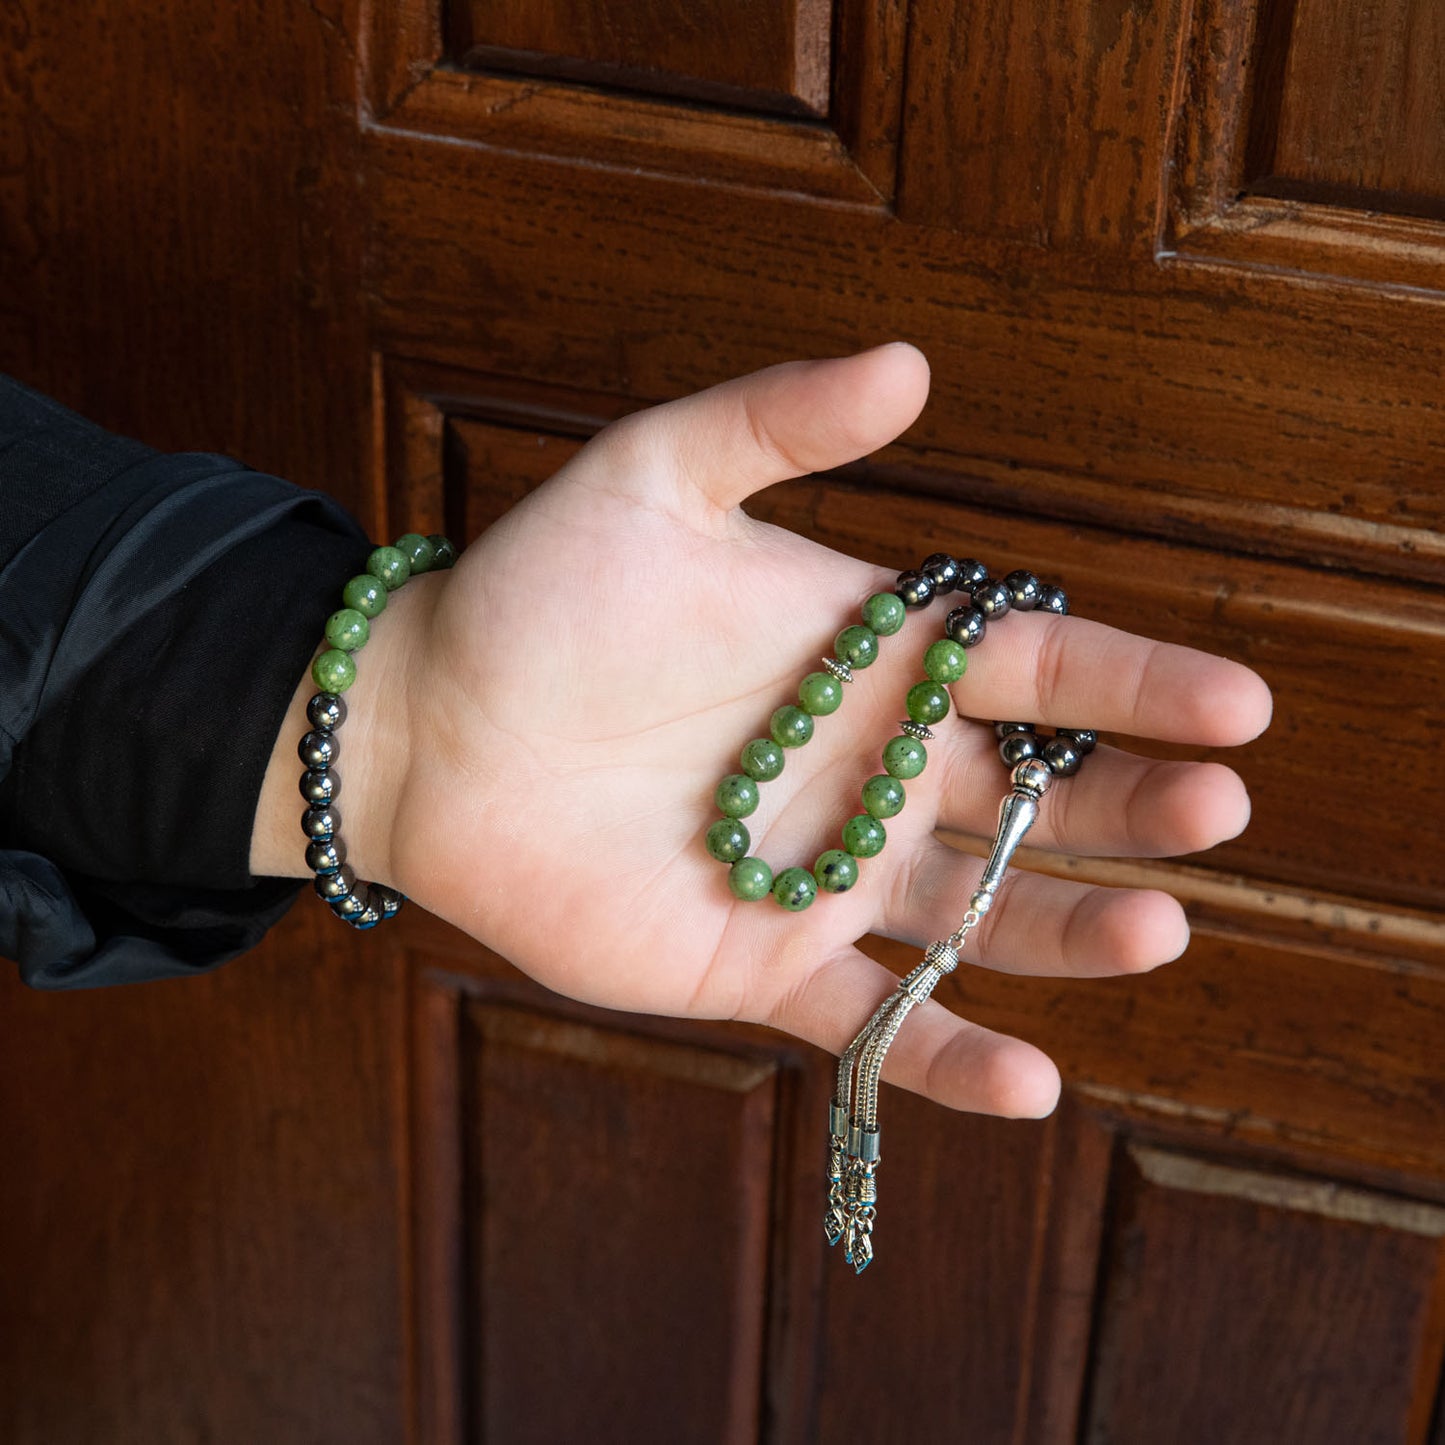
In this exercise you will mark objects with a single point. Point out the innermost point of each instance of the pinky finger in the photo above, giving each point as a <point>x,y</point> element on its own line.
<point>937,1054</point>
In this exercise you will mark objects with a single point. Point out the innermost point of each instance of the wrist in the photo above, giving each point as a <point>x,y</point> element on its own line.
<point>375,749</point>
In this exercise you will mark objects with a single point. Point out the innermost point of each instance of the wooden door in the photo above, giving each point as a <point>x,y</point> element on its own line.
<point>1179,266</point>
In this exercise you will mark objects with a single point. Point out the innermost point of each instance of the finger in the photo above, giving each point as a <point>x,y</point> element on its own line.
<point>723,444</point>
<point>1054,927</point>
<point>1071,672</point>
<point>936,1054</point>
<point>1117,804</point>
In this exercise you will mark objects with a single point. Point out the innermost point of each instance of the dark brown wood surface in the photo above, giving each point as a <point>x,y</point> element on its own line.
<point>1179,267</point>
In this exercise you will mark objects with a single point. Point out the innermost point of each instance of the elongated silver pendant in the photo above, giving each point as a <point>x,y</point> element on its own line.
<point>855,1142</point>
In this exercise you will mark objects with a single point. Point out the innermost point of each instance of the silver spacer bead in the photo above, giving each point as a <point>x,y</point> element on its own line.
<point>839,669</point>
<point>1033,776</point>
<point>919,732</point>
<point>943,954</point>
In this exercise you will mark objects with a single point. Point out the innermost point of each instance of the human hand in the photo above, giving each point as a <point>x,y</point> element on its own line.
<point>548,722</point>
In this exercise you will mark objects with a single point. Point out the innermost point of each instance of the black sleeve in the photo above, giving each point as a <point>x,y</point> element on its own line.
<point>155,614</point>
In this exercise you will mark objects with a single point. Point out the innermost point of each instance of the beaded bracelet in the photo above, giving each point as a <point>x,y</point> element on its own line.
<point>853,1132</point>
<point>363,905</point>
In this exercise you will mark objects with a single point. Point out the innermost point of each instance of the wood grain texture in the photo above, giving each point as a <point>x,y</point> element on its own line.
<point>1295,1273</point>
<point>774,55</point>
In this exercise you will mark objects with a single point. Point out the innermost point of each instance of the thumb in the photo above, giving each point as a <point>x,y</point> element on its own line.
<point>723,444</point>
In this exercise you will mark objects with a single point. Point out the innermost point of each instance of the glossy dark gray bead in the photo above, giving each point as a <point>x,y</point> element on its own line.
<point>1062,756</point>
<point>970,574</point>
<point>942,571</point>
<point>1085,739</point>
<point>914,588</point>
<point>334,886</point>
<point>1001,730</point>
<point>992,599</point>
<point>322,823</point>
<point>1052,599</point>
<point>326,710</point>
<point>965,625</point>
<point>319,748</point>
<point>319,786</point>
<point>326,857</point>
<point>369,917</point>
<point>388,900</point>
<point>1017,747</point>
<point>351,904</point>
<point>1024,590</point>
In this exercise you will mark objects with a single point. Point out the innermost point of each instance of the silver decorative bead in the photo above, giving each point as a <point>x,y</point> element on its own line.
<point>319,749</point>
<point>335,886</point>
<point>944,954</point>
<point>1024,590</point>
<point>1032,776</point>
<point>919,732</point>
<point>992,599</point>
<point>838,668</point>
<point>1062,756</point>
<point>1052,599</point>
<point>326,856</point>
<point>322,823</point>
<point>319,786</point>
<point>326,710</point>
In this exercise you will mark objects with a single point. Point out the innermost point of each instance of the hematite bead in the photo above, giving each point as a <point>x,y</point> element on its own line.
<point>965,625</point>
<point>326,710</point>
<point>319,748</point>
<point>352,904</point>
<point>1002,729</point>
<point>321,823</point>
<point>334,886</point>
<point>1019,747</point>
<point>1085,739</point>
<point>319,786</point>
<point>1052,599</point>
<point>389,900</point>
<point>915,589</point>
<point>369,917</point>
<point>970,574</point>
<point>992,599</point>
<point>942,571</point>
<point>1062,756</point>
<point>444,556</point>
<point>325,856</point>
<point>1024,590</point>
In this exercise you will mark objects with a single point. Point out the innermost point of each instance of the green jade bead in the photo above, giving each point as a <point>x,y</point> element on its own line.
<point>750,879</point>
<point>762,760</point>
<point>883,797</point>
<point>795,889</point>
<point>736,796</point>
<point>836,871</point>
<point>347,629</point>
<point>863,836</point>
<point>365,595</point>
<point>820,693</point>
<point>791,727</point>
<point>333,671</point>
<point>904,757</point>
<point>945,661</point>
<point>885,613</point>
<point>389,566</point>
<point>929,702</point>
<point>857,646</point>
<point>418,550</point>
<point>444,552</point>
<point>728,840</point>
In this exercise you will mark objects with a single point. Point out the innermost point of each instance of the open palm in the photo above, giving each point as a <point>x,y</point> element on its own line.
<point>598,658</point>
